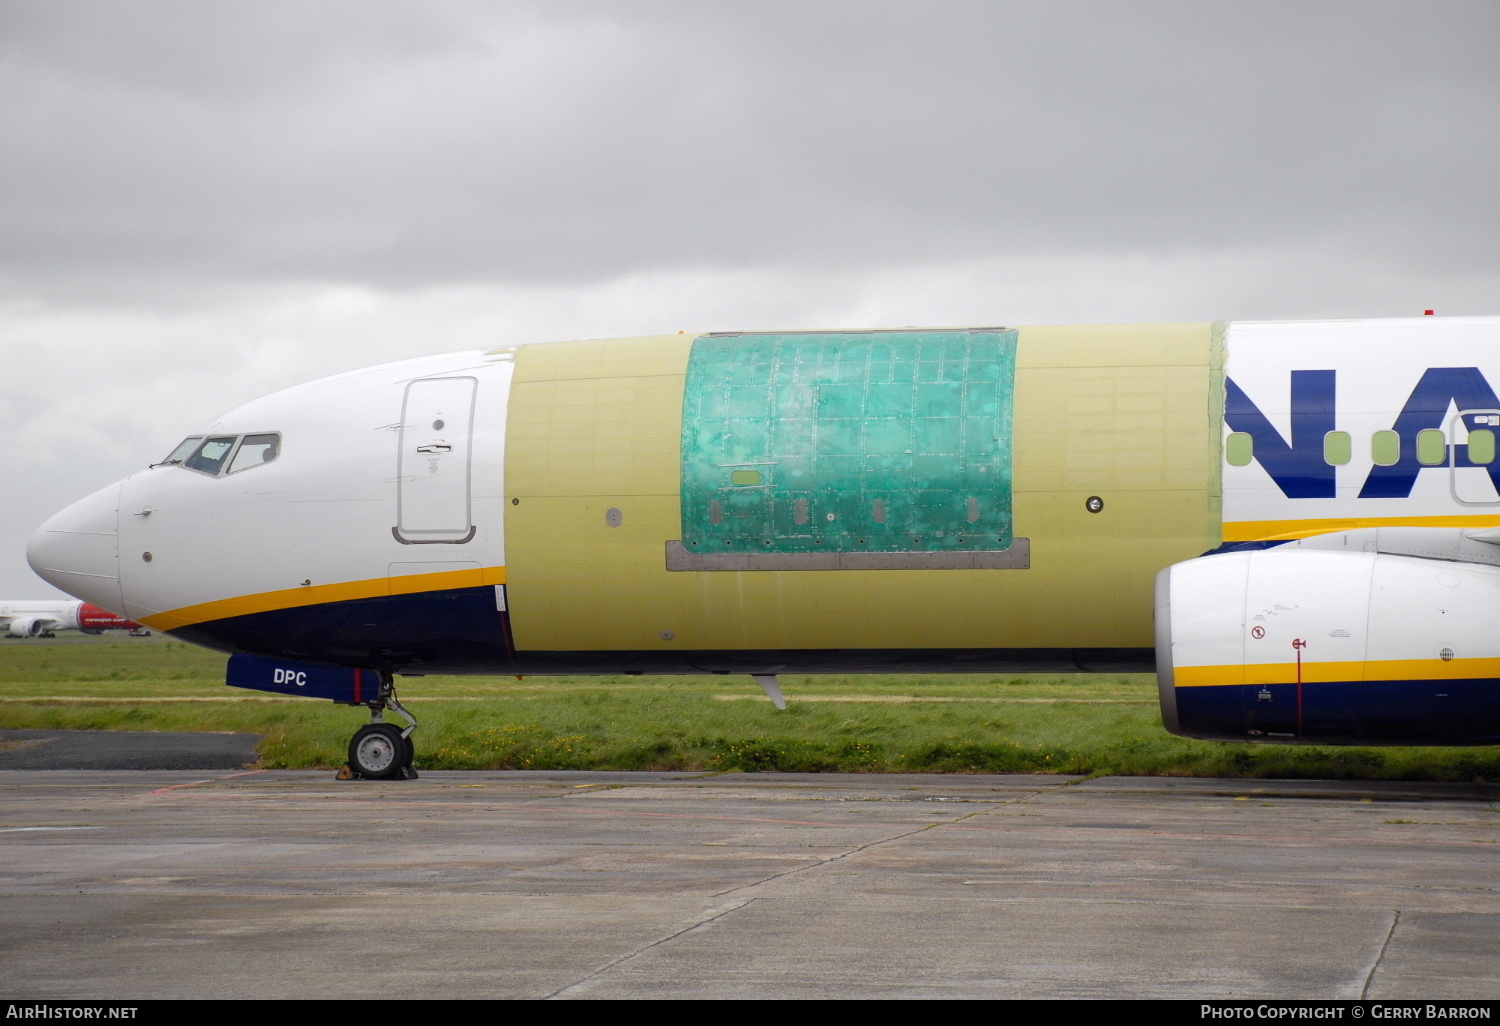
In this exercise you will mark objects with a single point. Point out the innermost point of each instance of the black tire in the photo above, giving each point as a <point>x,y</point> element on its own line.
<point>378,751</point>
<point>411,751</point>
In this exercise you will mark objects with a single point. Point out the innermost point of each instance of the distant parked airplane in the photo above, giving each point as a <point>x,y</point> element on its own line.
<point>40,619</point>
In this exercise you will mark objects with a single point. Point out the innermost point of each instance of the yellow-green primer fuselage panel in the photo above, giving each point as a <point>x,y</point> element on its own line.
<point>1128,414</point>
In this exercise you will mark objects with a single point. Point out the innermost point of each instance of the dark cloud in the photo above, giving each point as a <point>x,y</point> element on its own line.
<point>404,144</point>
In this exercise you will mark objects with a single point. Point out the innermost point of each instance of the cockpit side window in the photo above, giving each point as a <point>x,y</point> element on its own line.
<point>211,454</point>
<point>180,453</point>
<point>255,450</point>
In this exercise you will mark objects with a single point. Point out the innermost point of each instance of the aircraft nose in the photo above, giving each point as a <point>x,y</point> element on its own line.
<point>77,550</point>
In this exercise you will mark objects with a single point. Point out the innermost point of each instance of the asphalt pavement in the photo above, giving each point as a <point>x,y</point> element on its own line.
<point>125,750</point>
<point>243,883</point>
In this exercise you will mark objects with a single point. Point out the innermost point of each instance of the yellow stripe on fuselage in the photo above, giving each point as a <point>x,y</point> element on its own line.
<point>321,594</point>
<point>1290,530</point>
<point>1334,672</point>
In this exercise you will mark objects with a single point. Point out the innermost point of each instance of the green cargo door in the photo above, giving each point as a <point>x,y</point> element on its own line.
<point>826,444</point>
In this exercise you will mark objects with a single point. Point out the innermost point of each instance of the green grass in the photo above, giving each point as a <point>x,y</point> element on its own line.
<point>1049,723</point>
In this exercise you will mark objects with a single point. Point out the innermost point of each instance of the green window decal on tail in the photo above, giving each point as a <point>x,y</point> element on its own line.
<point>841,443</point>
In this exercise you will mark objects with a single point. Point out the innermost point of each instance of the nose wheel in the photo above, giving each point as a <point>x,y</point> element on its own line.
<point>380,750</point>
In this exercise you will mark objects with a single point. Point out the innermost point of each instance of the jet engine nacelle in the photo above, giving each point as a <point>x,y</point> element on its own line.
<point>26,627</point>
<point>1330,647</point>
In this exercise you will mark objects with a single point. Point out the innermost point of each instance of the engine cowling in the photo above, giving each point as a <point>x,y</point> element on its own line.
<point>1296,645</point>
<point>26,627</point>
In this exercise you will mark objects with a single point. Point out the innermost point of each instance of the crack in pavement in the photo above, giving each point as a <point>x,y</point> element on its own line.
<point>710,917</point>
<point>719,912</point>
<point>1364,992</point>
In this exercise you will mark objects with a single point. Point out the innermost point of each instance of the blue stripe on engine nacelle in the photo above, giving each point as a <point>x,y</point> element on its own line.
<point>1388,712</point>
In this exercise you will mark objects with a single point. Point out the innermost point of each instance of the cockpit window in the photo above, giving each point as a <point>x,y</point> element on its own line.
<point>255,450</point>
<point>211,454</point>
<point>180,453</point>
<point>237,452</point>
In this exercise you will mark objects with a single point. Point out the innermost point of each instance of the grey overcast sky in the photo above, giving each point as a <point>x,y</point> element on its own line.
<point>203,201</point>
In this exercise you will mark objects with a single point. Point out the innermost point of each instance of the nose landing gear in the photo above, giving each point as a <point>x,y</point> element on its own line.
<point>380,750</point>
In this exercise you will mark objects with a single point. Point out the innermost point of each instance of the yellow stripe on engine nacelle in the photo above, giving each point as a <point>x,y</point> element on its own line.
<point>1336,672</point>
<point>320,594</point>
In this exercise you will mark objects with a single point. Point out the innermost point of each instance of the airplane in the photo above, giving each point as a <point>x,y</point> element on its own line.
<point>1295,523</point>
<point>40,619</point>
